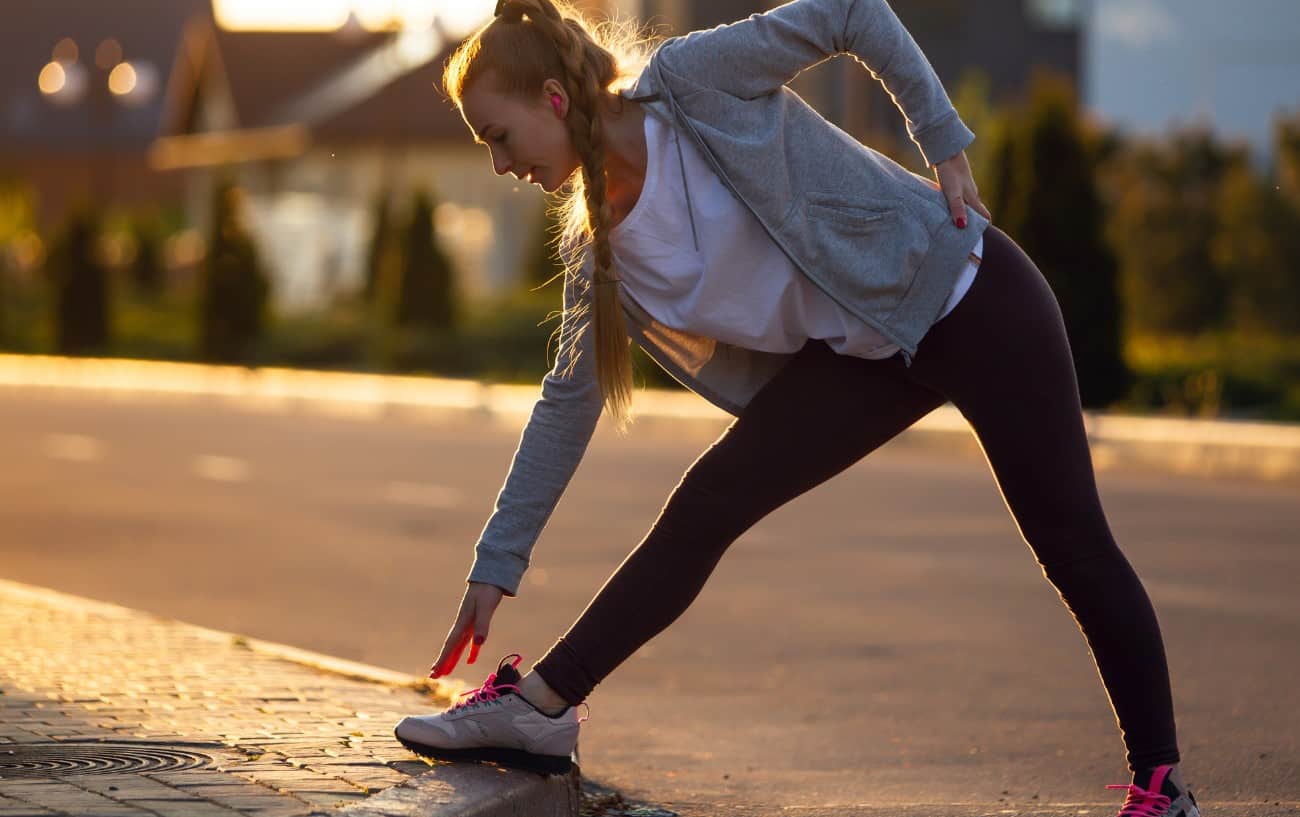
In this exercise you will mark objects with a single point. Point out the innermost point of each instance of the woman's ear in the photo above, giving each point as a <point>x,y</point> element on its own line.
<point>556,95</point>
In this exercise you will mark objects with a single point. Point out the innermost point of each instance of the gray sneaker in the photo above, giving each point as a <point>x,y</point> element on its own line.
<point>496,724</point>
<point>1161,797</point>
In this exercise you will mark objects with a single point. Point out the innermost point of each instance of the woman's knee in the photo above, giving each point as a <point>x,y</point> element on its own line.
<point>1068,541</point>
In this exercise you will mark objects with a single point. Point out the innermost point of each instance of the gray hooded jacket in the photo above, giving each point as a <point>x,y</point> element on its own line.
<point>877,238</point>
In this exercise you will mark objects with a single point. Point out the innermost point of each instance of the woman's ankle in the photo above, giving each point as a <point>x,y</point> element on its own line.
<point>1175,776</point>
<point>537,692</point>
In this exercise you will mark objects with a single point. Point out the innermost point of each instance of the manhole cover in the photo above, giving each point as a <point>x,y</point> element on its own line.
<point>67,759</point>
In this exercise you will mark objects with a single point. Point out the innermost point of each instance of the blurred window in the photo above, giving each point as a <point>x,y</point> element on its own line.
<point>1055,13</point>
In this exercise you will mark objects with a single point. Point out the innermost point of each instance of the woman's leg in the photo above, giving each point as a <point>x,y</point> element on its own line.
<point>1003,358</point>
<point>817,416</point>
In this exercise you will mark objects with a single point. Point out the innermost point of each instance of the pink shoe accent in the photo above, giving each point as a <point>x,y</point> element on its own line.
<point>487,692</point>
<point>1146,802</point>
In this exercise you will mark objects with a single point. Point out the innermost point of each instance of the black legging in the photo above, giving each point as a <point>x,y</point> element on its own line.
<point>1002,358</point>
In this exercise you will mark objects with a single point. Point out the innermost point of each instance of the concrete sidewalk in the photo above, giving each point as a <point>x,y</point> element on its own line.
<point>1198,447</point>
<point>111,712</point>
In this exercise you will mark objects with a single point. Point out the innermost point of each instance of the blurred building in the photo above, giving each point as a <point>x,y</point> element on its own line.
<point>314,125</point>
<point>1004,39</point>
<point>62,129</point>
<point>317,126</point>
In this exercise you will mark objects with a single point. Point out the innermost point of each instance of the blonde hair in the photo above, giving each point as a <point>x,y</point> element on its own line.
<point>528,42</point>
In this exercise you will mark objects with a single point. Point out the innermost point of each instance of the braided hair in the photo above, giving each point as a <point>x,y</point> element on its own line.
<point>526,43</point>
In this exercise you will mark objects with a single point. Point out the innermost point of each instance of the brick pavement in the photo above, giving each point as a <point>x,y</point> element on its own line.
<point>284,738</point>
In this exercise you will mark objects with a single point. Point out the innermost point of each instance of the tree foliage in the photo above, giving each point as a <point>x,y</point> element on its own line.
<point>1046,198</point>
<point>79,283</point>
<point>233,300</point>
<point>427,295</point>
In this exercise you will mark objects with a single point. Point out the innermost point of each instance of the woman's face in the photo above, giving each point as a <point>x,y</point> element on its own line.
<point>524,136</point>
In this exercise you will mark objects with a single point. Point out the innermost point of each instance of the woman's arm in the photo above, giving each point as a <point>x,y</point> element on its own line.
<point>763,52</point>
<point>553,442</point>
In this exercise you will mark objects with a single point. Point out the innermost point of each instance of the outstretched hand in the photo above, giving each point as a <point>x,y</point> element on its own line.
<point>958,187</point>
<point>472,621</point>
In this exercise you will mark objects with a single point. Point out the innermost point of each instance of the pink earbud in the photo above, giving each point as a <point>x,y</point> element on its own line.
<point>557,102</point>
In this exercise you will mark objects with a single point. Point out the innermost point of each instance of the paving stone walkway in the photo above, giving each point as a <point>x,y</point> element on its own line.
<point>111,712</point>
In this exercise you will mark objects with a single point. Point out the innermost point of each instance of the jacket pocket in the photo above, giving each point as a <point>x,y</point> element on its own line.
<point>863,251</point>
<point>853,213</point>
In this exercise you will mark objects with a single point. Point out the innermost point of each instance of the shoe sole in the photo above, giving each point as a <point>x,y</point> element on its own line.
<point>514,758</point>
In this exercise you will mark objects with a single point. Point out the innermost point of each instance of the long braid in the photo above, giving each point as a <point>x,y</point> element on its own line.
<point>577,52</point>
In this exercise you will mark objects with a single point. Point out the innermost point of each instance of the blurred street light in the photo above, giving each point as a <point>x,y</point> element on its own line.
<point>66,80</point>
<point>65,51</point>
<point>122,79</point>
<point>52,79</point>
<point>108,54</point>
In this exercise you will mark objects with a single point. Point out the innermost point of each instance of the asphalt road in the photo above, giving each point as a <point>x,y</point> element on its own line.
<point>883,644</point>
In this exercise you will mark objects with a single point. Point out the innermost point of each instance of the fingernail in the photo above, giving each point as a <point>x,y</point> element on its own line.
<point>961,223</point>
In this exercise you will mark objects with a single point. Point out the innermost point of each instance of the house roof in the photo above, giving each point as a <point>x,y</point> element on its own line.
<point>410,108</point>
<point>148,31</point>
<point>258,94</point>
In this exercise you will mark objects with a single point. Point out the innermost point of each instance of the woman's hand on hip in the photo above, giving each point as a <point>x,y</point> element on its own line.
<point>958,187</point>
<point>476,609</point>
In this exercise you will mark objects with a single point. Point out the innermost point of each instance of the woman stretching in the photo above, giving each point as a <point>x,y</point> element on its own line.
<point>808,285</point>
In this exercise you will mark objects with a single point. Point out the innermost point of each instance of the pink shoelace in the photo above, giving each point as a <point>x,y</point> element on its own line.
<point>1142,803</point>
<point>483,694</point>
<point>488,692</point>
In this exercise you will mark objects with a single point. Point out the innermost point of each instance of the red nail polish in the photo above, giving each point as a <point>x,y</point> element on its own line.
<point>961,223</point>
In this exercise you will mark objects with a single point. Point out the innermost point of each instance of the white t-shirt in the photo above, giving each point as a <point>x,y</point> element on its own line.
<point>752,295</point>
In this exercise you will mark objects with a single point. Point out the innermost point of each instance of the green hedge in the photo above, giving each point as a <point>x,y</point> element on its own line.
<point>1215,375</point>
<point>508,341</point>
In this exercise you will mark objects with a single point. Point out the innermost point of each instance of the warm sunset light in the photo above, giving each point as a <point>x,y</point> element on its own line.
<point>282,15</point>
<point>386,14</point>
<point>456,17</point>
<point>460,18</point>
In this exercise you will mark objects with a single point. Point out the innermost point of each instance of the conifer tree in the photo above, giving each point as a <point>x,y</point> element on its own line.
<point>382,252</point>
<point>1286,142</point>
<point>79,280</point>
<point>427,296</point>
<point>542,261</point>
<point>1258,248</point>
<point>234,292</point>
<point>1052,208</point>
<point>146,272</point>
<point>17,220</point>
<point>1163,219</point>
